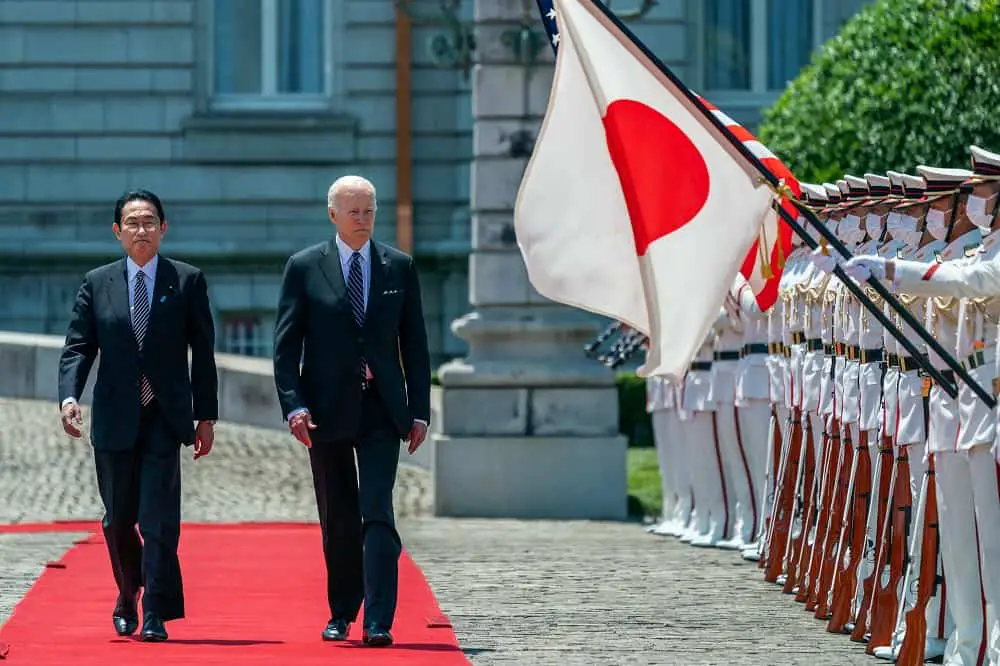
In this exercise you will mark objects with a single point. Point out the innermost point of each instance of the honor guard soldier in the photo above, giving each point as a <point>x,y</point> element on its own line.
<point>711,520</point>
<point>753,409</point>
<point>735,462</point>
<point>966,470</point>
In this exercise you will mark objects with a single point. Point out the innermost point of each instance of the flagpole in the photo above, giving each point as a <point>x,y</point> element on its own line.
<point>829,236</point>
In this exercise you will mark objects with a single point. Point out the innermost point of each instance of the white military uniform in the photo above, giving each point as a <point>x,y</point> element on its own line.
<point>797,270</point>
<point>735,464</point>
<point>966,466</point>
<point>753,409</point>
<point>710,518</point>
<point>675,477</point>
<point>911,435</point>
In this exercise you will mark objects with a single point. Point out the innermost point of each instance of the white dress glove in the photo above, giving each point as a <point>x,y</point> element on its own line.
<point>865,266</point>
<point>824,262</point>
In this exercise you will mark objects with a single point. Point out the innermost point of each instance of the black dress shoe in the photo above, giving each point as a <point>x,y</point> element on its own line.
<point>153,629</point>
<point>336,630</point>
<point>126,616</point>
<point>375,636</point>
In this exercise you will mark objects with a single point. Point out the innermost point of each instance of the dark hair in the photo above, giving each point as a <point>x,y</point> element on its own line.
<point>138,195</point>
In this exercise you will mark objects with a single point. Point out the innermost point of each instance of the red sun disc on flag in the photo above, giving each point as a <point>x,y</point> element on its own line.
<point>663,176</point>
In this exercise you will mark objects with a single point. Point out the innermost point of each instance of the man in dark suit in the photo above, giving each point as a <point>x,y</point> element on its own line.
<point>142,313</point>
<point>350,311</point>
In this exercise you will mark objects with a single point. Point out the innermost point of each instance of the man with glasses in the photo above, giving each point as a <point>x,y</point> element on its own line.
<point>143,313</point>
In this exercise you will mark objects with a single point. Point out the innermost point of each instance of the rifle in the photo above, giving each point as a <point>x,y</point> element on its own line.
<point>914,643</point>
<point>786,498</point>
<point>893,556</point>
<point>862,618</point>
<point>803,510</point>
<point>821,600</point>
<point>852,540</point>
<point>825,489</point>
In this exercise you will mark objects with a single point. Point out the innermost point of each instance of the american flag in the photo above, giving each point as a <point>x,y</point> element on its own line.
<point>766,258</point>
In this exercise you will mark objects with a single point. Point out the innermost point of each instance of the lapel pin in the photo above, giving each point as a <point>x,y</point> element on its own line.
<point>163,298</point>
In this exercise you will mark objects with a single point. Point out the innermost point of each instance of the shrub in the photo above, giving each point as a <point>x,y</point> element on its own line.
<point>906,82</point>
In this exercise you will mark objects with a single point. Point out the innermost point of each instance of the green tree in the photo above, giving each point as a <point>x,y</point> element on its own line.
<point>906,82</point>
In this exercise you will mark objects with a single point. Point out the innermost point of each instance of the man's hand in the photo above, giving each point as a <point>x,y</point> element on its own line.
<point>204,438</point>
<point>418,433</point>
<point>72,419</point>
<point>300,425</point>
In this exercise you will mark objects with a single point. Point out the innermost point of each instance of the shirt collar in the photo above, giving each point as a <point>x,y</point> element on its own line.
<point>149,269</point>
<point>345,251</point>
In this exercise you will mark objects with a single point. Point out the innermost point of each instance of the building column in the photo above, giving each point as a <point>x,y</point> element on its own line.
<point>525,425</point>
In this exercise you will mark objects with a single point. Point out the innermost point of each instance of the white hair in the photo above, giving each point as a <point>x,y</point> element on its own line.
<point>349,184</point>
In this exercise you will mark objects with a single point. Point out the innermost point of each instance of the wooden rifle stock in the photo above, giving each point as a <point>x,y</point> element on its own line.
<point>829,476</point>
<point>794,565</point>
<point>852,544</point>
<point>882,499</point>
<point>832,547</point>
<point>893,557</point>
<point>777,443</point>
<point>911,653</point>
<point>785,501</point>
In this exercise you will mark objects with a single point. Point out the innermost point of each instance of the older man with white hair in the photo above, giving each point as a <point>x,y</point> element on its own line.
<point>352,370</point>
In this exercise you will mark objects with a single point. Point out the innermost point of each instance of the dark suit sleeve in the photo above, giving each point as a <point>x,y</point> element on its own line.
<point>201,340</point>
<point>80,348</point>
<point>413,347</point>
<point>289,331</point>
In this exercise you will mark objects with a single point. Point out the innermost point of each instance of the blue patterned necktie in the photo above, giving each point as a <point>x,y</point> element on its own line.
<point>356,292</point>
<point>140,320</point>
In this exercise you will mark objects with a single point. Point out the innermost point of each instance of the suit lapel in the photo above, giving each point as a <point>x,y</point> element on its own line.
<point>329,264</point>
<point>165,287</point>
<point>117,292</point>
<point>378,278</point>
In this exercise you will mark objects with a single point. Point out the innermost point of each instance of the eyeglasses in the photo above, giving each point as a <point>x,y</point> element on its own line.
<point>148,224</point>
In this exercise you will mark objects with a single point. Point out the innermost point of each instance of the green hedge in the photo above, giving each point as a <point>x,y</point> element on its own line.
<point>906,82</point>
<point>633,421</point>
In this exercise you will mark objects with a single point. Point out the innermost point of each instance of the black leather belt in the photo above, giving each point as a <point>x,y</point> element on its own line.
<point>829,350</point>
<point>853,352</point>
<point>798,337</point>
<point>701,365</point>
<point>815,344</point>
<point>908,363</point>
<point>893,360</point>
<point>756,348</point>
<point>776,348</point>
<point>976,359</point>
<point>726,356</point>
<point>871,355</point>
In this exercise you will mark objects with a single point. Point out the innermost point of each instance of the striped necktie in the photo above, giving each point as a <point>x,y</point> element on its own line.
<point>140,321</point>
<point>356,292</point>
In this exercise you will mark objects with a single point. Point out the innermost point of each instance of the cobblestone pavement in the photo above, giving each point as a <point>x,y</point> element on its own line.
<point>252,474</point>
<point>518,592</point>
<point>608,594</point>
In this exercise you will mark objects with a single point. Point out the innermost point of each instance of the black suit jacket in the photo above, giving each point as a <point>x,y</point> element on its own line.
<point>315,324</point>
<point>180,319</point>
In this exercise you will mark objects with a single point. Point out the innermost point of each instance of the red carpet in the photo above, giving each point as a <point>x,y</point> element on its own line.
<point>255,595</point>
